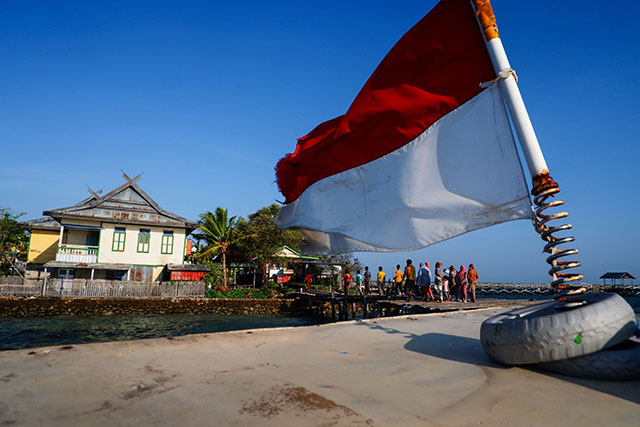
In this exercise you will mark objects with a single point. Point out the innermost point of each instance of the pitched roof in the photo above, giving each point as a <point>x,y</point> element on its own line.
<point>127,204</point>
<point>187,267</point>
<point>623,275</point>
<point>45,223</point>
<point>286,252</point>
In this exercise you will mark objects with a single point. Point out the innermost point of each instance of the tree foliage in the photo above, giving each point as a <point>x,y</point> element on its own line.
<point>269,237</point>
<point>219,232</point>
<point>13,242</point>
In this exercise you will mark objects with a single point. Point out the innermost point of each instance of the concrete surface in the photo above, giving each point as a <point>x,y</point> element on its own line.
<point>411,370</point>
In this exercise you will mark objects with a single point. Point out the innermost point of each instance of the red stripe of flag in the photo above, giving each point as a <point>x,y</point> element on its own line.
<point>432,70</point>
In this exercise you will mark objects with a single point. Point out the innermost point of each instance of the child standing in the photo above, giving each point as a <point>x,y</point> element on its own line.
<point>445,285</point>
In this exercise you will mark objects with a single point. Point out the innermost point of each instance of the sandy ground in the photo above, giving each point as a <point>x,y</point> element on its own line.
<point>411,370</point>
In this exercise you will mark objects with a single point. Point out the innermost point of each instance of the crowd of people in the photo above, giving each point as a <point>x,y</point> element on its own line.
<point>448,284</point>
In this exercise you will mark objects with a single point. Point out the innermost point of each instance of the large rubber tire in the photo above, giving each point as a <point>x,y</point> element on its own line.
<point>618,363</point>
<point>540,333</point>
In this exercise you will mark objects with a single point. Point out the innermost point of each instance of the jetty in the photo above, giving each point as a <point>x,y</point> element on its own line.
<point>333,306</point>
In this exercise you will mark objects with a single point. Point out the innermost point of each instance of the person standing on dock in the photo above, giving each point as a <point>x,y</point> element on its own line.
<point>380,279</point>
<point>472,278</point>
<point>367,280</point>
<point>462,284</point>
<point>346,282</point>
<point>429,295</point>
<point>308,279</point>
<point>409,279</point>
<point>397,282</point>
<point>445,285</point>
<point>438,282</point>
<point>453,286</point>
<point>358,282</point>
<point>424,281</point>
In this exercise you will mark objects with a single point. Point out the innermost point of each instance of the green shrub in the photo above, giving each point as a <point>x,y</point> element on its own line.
<point>213,278</point>
<point>263,293</point>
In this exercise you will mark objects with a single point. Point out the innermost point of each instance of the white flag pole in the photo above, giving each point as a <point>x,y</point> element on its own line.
<point>508,84</point>
<point>544,187</point>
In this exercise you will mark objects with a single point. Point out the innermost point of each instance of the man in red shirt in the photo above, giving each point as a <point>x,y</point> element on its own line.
<point>346,282</point>
<point>472,278</point>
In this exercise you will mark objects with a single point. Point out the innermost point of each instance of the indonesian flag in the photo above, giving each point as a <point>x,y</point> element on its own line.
<point>422,155</point>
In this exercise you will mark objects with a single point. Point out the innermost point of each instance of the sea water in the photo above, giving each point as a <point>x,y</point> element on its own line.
<point>17,333</point>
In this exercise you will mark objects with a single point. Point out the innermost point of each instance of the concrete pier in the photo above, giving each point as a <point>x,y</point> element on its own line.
<point>410,370</point>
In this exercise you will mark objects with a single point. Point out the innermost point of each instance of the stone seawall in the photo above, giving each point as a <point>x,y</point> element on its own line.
<point>41,307</point>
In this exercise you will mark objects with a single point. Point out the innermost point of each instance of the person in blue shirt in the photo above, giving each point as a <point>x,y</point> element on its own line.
<point>358,282</point>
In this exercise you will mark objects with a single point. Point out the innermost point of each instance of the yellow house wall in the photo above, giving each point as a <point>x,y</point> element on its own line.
<point>130,254</point>
<point>42,246</point>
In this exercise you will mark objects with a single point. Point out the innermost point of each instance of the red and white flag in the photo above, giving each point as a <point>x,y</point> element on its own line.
<point>422,155</point>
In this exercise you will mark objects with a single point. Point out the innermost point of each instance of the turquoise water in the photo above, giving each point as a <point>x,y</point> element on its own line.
<point>17,333</point>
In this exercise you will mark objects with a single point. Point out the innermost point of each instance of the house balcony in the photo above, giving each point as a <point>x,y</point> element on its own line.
<point>75,253</point>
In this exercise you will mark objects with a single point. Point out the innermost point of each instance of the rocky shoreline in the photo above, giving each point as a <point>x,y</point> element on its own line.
<point>47,306</point>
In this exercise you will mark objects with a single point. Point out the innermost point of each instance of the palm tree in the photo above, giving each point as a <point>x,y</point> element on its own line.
<point>219,231</point>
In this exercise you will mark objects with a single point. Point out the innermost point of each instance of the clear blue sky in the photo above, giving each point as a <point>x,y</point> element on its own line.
<point>204,97</point>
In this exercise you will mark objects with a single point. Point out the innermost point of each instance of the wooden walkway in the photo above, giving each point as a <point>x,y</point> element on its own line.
<point>337,307</point>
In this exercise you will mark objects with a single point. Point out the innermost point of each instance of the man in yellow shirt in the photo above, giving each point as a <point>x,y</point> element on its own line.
<point>380,278</point>
<point>409,279</point>
<point>398,280</point>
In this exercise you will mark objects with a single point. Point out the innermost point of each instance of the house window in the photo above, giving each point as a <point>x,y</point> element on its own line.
<point>167,242</point>
<point>144,236</point>
<point>119,235</point>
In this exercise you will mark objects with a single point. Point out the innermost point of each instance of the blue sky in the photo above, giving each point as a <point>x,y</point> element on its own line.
<point>204,97</point>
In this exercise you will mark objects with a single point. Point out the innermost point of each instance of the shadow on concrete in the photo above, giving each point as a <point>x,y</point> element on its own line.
<point>452,347</point>
<point>469,350</point>
<point>444,346</point>
<point>378,327</point>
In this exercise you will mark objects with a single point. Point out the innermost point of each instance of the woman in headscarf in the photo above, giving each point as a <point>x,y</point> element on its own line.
<point>428,293</point>
<point>472,278</point>
<point>453,286</point>
<point>462,284</point>
<point>423,281</point>
<point>438,281</point>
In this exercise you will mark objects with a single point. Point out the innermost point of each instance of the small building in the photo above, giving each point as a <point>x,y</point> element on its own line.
<point>282,270</point>
<point>123,235</point>
<point>193,272</point>
<point>615,277</point>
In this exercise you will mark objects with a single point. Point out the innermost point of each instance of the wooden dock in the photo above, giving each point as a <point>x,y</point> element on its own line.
<point>336,307</point>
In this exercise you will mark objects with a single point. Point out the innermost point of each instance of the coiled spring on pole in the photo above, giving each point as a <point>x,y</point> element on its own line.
<point>562,280</point>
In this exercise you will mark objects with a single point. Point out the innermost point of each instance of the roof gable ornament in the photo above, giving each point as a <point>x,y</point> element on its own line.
<point>130,180</point>
<point>94,193</point>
